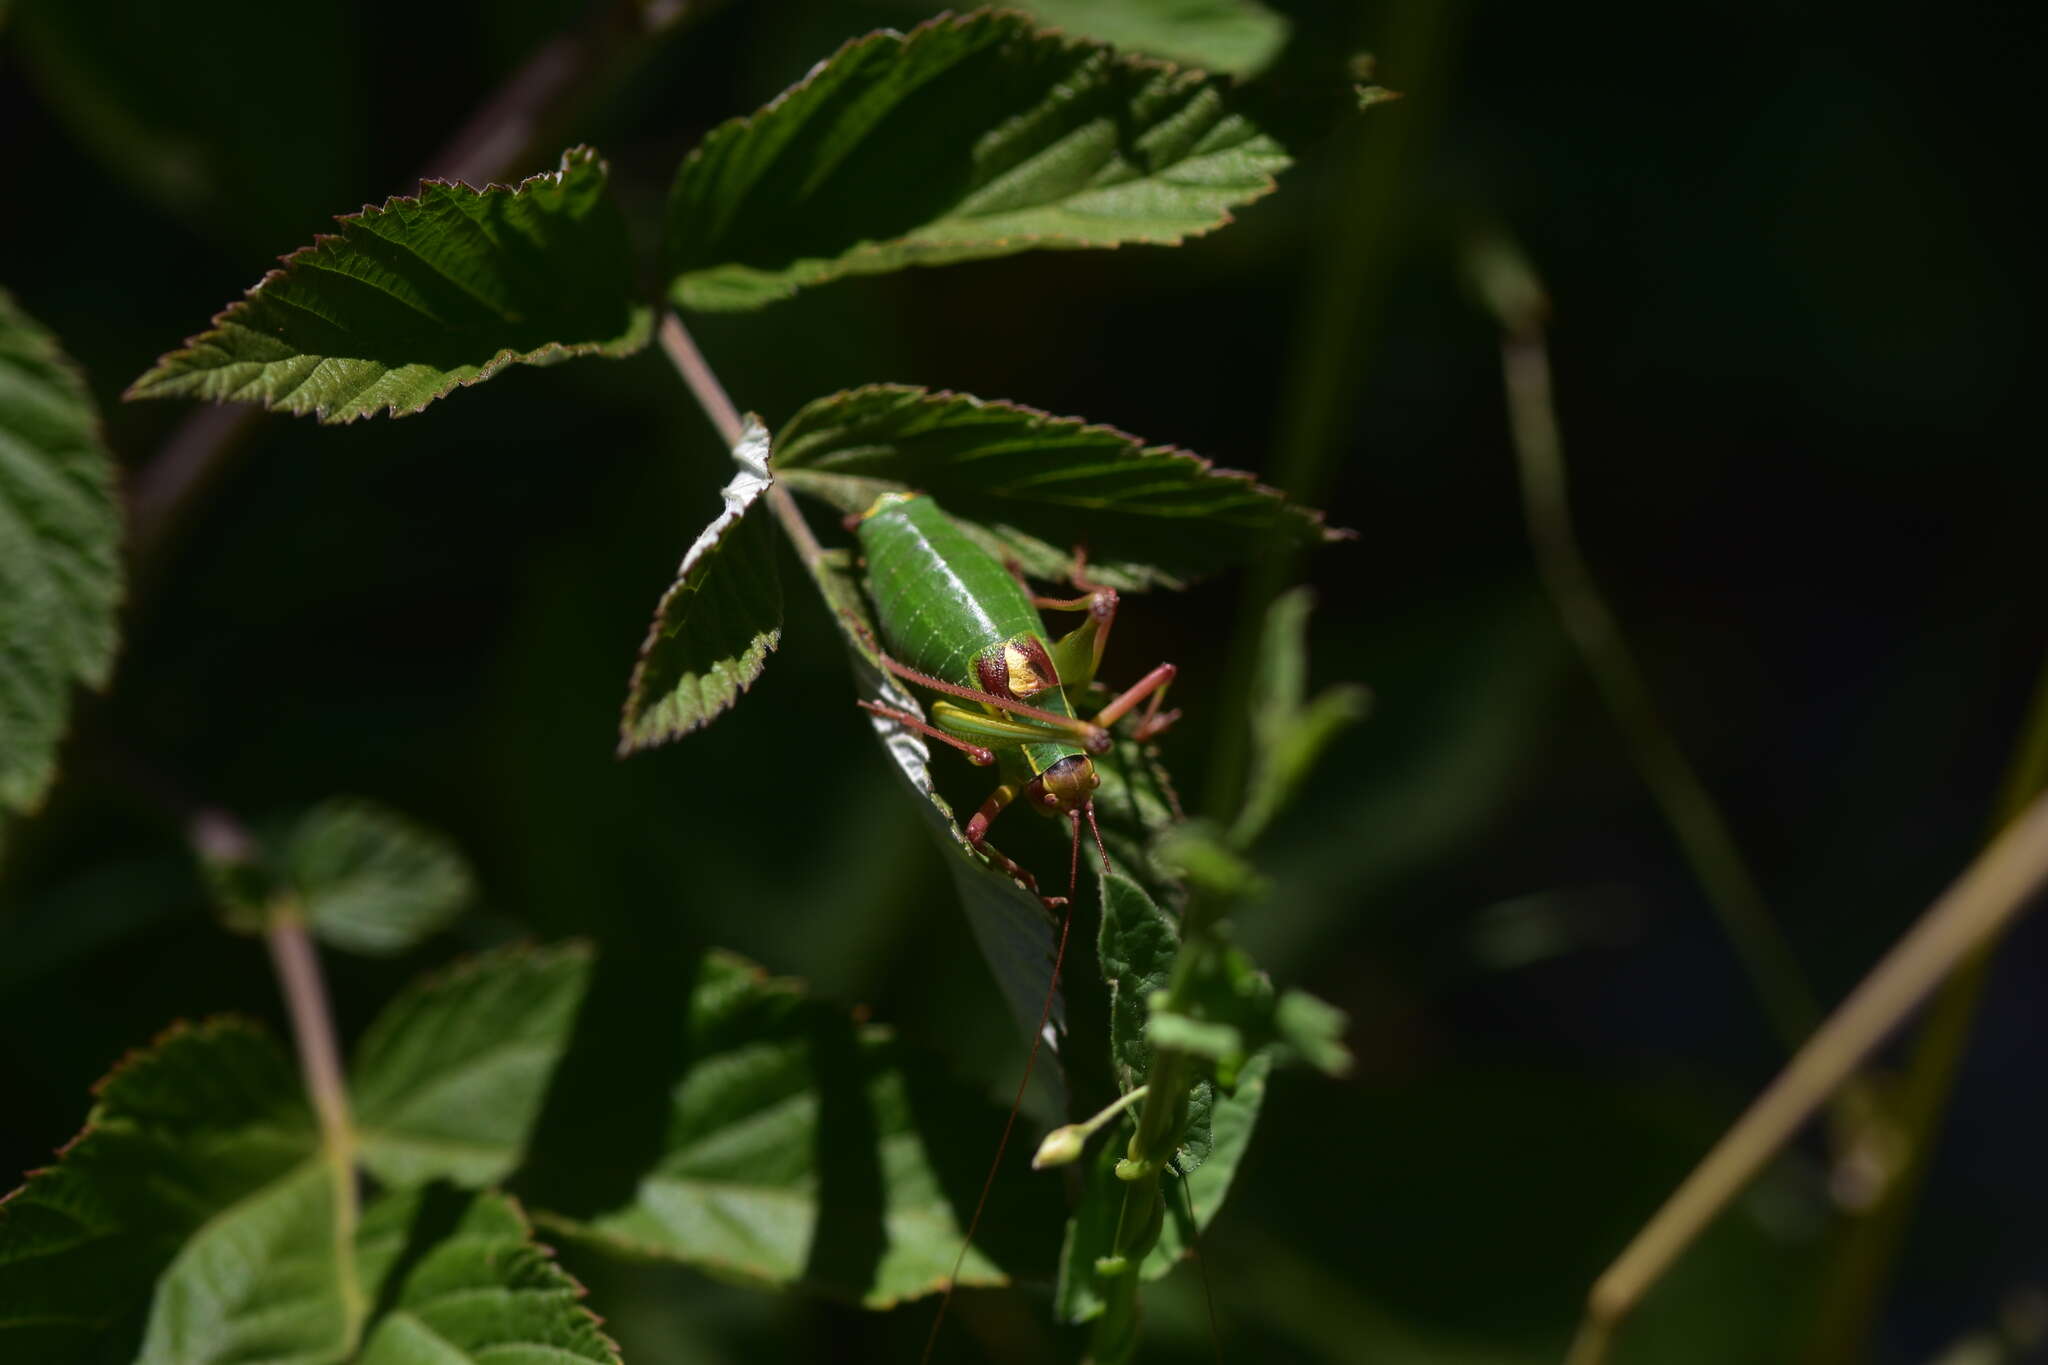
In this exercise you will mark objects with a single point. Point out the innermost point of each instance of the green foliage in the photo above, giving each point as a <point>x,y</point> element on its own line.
<point>803,1148</point>
<point>1032,486</point>
<point>1288,733</point>
<point>486,1293</point>
<point>1234,37</point>
<point>369,880</point>
<point>430,292</point>
<point>1019,139</point>
<point>60,565</point>
<point>198,1164</point>
<point>449,1080</point>
<point>714,627</point>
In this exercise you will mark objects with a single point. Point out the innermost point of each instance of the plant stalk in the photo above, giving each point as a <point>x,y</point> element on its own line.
<point>1990,894</point>
<point>1863,1262</point>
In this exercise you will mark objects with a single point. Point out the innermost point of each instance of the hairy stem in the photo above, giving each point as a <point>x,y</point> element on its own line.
<point>1862,1264</point>
<point>1989,895</point>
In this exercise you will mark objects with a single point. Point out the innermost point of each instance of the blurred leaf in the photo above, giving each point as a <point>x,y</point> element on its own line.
<point>714,627</point>
<point>1032,487</point>
<point>1230,1013</point>
<point>1233,37</point>
<point>448,1082</point>
<point>1136,805</point>
<point>430,292</point>
<point>60,564</point>
<point>1288,736</point>
<point>1016,935</point>
<point>969,137</point>
<point>487,1293</point>
<point>199,1165</point>
<point>227,136</point>
<point>804,1149</point>
<point>371,881</point>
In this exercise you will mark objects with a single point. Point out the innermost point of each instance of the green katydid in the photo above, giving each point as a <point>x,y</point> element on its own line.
<point>967,628</point>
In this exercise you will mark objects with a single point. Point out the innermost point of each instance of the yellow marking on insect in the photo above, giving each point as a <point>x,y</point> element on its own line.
<point>1024,678</point>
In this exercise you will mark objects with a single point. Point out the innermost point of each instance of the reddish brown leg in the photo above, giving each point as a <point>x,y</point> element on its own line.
<point>1091,737</point>
<point>1152,685</point>
<point>976,755</point>
<point>977,836</point>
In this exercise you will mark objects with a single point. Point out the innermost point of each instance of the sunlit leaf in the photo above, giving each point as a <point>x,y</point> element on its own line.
<point>425,294</point>
<point>969,137</point>
<point>801,1148</point>
<point>371,881</point>
<point>487,1294</point>
<point>1233,37</point>
<point>60,565</point>
<point>1034,487</point>
<point>448,1082</point>
<point>716,624</point>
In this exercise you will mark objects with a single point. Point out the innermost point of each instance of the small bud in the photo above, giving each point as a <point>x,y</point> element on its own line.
<point>1109,1267</point>
<point>1061,1146</point>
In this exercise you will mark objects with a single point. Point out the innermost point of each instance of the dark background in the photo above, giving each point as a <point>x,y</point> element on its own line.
<point>1795,298</point>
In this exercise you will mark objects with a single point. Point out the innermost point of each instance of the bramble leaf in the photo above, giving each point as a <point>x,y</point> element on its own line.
<point>448,1082</point>
<point>968,137</point>
<point>193,1201</point>
<point>1233,37</point>
<point>371,881</point>
<point>60,563</point>
<point>714,627</point>
<point>425,294</point>
<point>1033,487</point>
<point>487,1293</point>
<point>803,1148</point>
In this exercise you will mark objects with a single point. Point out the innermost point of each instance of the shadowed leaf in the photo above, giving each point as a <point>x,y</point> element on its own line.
<point>803,1148</point>
<point>60,566</point>
<point>715,626</point>
<point>1032,487</point>
<point>427,293</point>
<point>969,137</point>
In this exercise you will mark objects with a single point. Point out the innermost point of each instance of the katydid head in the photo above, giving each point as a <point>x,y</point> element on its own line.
<point>1068,788</point>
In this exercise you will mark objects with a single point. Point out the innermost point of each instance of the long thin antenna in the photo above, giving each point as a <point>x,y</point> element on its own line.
<point>1187,1194</point>
<point>1059,958</point>
<point>1099,849</point>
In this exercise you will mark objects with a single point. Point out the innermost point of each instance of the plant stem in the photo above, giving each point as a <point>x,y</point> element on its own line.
<point>1989,895</point>
<point>1703,834</point>
<point>1862,1264</point>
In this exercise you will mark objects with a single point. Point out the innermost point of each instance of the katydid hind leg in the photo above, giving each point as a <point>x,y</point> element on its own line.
<point>1089,736</point>
<point>1150,688</point>
<point>976,754</point>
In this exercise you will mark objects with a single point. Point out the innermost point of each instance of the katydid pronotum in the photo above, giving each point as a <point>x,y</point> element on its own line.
<point>961,624</point>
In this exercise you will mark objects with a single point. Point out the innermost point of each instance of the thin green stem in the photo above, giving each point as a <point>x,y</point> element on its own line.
<point>1702,834</point>
<point>1991,893</point>
<point>1862,1265</point>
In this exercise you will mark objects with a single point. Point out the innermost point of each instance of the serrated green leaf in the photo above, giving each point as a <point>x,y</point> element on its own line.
<point>369,880</point>
<point>1033,487</point>
<point>714,627</point>
<point>1229,1013</point>
<point>1288,734</point>
<point>487,1294</point>
<point>802,1148</point>
<point>1135,806</point>
<point>425,294</point>
<point>194,1199</point>
<point>1232,37</point>
<point>60,564</point>
<point>1136,947</point>
<point>448,1082</point>
<point>967,138</point>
